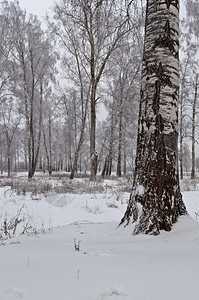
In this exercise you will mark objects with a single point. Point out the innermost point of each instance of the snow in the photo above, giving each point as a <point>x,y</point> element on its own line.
<point>140,190</point>
<point>111,264</point>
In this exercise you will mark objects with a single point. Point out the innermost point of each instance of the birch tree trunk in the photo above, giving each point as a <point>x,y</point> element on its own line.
<point>79,146</point>
<point>182,107</point>
<point>156,202</point>
<point>193,131</point>
<point>107,168</point>
<point>119,155</point>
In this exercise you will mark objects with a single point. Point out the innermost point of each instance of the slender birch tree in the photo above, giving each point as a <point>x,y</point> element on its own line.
<point>183,96</point>
<point>193,129</point>
<point>156,202</point>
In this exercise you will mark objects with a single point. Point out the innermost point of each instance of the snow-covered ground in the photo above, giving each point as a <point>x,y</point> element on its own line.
<point>111,264</point>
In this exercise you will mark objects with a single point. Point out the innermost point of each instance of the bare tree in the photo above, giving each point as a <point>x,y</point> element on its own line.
<point>34,57</point>
<point>189,81</point>
<point>99,28</point>
<point>6,65</point>
<point>123,80</point>
<point>193,132</point>
<point>107,168</point>
<point>183,101</point>
<point>49,119</point>
<point>11,120</point>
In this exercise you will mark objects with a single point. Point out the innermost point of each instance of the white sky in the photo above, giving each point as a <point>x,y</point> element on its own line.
<point>36,7</point>
<point>40,7</point>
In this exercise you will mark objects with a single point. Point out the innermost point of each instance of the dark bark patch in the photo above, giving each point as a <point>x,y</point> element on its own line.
<point>159,123</point>
<point>156,100</point>
<point>173,2</point>
<point>165,40</point>
<point>168,3</point>
<point>167,28</point>
<point>163,80</point>
<point>176,54</point>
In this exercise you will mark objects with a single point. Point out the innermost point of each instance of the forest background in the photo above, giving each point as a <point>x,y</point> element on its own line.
<point>46,90</point>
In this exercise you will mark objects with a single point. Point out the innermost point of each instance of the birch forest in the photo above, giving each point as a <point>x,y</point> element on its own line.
<point>70,88</point>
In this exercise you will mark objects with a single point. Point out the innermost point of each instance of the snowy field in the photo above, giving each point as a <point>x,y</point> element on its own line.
<point>71,248</point>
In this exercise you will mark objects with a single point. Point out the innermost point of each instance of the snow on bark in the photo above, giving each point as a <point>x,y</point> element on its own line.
<point>159,204</point>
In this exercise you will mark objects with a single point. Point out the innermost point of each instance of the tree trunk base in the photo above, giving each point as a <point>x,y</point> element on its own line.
<point>151,221</point>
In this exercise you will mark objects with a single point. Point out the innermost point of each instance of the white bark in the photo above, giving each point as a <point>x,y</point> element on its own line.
<point>159,204</point>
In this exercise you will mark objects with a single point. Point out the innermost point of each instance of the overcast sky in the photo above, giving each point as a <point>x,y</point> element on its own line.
<point>36,7</point>
<point>40,7</point>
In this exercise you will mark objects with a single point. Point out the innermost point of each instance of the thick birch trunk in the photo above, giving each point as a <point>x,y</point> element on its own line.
<point>156,202</point>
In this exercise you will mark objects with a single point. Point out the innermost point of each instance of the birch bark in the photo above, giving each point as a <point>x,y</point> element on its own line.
<point>156,202</point>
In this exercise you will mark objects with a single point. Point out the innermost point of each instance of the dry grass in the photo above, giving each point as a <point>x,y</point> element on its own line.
<point>61,184</point>
<point>188,184</point>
